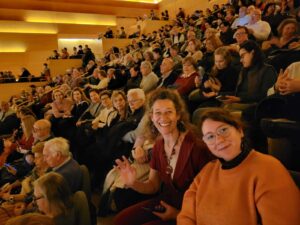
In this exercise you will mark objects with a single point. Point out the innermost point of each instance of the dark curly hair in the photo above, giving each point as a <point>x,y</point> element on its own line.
<point>172,95</point>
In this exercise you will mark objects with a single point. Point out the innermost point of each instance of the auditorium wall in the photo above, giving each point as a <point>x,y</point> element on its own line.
<point>188,5</point>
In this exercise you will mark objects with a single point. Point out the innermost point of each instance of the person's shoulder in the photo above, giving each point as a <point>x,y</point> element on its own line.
<point>259,160</point>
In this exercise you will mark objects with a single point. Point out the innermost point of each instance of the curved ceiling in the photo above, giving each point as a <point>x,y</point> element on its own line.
<point>121,8</point>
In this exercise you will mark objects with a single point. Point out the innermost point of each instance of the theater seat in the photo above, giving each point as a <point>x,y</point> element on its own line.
<point>283,141</point>
<point>86,181</point>
<point>82,211</point>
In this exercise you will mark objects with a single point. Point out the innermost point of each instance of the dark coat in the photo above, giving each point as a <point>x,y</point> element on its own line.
<point>253,83</point>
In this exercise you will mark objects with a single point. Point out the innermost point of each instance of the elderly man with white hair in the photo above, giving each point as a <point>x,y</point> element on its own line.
<point>150,79</point>
<point>57,154</point>
<point>260,29</point>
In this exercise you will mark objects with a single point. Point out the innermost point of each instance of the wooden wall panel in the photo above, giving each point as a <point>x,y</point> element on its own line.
<point>31,42</point>
<point>116,8</point>
<point>61,65</point>
<point>188,5</point>
<point>32,60</point>
<point>7,90</point>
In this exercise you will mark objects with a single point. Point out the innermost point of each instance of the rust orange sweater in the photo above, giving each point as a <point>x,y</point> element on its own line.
<point>231,197</point>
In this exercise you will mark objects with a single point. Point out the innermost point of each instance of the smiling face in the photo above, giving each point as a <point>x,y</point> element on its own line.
<point>289,30</point>
<point>94,96</point>
<point>223,140</point>
<point>164,116</point>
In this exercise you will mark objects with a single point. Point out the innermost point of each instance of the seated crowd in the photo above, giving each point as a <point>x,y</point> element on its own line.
<point>164,125</point>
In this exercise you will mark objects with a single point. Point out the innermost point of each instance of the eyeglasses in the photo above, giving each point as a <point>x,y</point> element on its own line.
<point>211,138</point>
<point>239,34</point>
<point>36,129</point>
<point>133,101</point>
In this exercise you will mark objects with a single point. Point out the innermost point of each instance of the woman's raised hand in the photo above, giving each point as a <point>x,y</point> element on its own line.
<point>127,172</point>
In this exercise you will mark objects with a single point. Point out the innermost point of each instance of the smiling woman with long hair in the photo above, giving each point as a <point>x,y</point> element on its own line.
<point>177,155</point>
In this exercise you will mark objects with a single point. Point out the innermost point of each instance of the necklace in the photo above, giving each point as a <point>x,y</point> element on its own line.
<point>169,168</point>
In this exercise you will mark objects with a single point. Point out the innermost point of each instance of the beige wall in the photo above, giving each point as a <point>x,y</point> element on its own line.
<point>7,90</point>
<point>188,5</point>
<point>117,8</point>
<point>61,65</point>
<point>36,48</point>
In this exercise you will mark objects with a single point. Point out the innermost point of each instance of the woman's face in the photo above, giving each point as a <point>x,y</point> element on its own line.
<point>58,96</point>
<point>77,96</point>
<point>147,57</point>
<point>94,96</point>
<point>246,57</point>
<point>119,103</point>
<point>208,33</point>
<point>75,73</point>
<point>173,52</point>
<point>188,67</point>
<point>271,10</point>
<point>41,201</point>
<point>39,161</point>
<point>133,73</point>
<point>289,30</point>
<point>220,62</point>
<point>191,47</point>
<point>223,140</point>
<point>164,116</point>
<point>209,46</point>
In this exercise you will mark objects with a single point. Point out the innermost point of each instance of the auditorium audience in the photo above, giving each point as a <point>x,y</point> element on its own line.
<point>237,74</point>
<point>8,119</point>
<point>149,78</point>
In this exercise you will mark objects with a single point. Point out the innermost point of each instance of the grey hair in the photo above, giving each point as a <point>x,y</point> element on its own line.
<point>147,64</point>
<point>138,91</point>
<point>59,144</point>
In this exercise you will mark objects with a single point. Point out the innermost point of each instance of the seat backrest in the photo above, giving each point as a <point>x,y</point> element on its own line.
<point>296,177</point>
<point>86,181</point>
<point>82,211</point>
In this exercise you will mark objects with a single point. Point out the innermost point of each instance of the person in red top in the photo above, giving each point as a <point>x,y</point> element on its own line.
<point>185,82</point>
<point>177,156</point>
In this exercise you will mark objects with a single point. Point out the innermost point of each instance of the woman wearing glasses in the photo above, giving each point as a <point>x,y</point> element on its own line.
<point>177,156</point>
<point>241,187</point>
<point>53,198</point>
